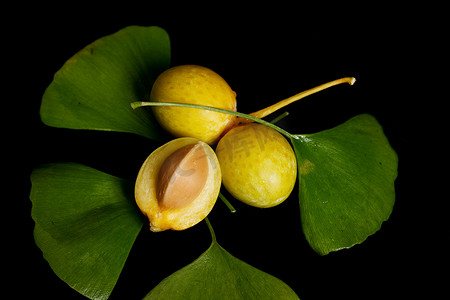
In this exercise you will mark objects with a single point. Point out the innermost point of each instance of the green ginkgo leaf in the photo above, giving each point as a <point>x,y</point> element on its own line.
<point>346,183</point>
<point>94,88</point>
<point>86,222</point>
<point>217,274</point>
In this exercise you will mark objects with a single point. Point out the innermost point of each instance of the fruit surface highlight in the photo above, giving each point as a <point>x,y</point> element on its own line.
<point>196,85</point>
<point>258,165</point>
<point>178,184</point>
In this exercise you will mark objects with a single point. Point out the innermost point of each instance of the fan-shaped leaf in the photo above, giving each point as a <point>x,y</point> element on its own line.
<point>94,88</point>
<point>216,274</point>
<point>86,222</point>
<point>346,177</point>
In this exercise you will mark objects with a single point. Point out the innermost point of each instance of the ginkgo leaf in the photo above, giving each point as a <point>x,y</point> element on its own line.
<point>86,222</point>
<point>217,274</point>
<point>346,183</point>
<point>94,88</point>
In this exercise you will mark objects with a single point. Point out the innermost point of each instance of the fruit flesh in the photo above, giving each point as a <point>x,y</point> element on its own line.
<point>258,165</point>
<point>196,85</point>
<point>182,217</point>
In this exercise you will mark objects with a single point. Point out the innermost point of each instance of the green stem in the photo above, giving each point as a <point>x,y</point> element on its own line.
<point>280,117</point>
<point>138,104</point>
<point>211,230</point>
<point>227,203</point>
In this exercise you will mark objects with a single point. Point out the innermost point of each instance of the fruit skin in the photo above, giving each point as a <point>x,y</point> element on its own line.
<point>197,85</point>
<point>258,165</point>
<point>178,218</point>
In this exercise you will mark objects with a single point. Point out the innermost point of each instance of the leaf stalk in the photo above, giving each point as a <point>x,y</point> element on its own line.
<point>138,104</point>
<point>211,230</point>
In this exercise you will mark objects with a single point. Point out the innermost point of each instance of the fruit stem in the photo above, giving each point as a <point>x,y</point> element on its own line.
<point>211,230</point>
<point>268,110</point>
<point>227,203</point>
<point>280,117</point>
<point>138,104</point>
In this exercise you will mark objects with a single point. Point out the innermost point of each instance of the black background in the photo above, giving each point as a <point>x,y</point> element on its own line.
<point>266,54</point>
